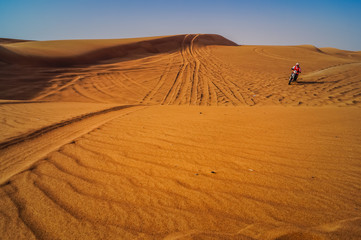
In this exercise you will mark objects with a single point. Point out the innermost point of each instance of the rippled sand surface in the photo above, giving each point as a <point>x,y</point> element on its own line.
<point>178,137</point>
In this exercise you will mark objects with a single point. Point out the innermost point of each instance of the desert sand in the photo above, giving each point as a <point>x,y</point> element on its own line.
<point>178,137</point>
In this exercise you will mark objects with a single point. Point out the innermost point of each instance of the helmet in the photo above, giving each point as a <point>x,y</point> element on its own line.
<point>297,64</point>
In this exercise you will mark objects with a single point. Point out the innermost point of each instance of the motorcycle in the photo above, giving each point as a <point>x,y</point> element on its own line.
<point>292,77</point>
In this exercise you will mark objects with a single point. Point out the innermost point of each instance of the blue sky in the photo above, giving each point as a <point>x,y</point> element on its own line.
<point>274,22</point>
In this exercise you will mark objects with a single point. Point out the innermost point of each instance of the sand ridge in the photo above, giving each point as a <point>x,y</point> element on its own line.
<point>178,137</point>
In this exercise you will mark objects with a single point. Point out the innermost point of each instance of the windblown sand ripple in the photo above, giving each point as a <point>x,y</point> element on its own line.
<point>226,172</point>
<point>18,118</point>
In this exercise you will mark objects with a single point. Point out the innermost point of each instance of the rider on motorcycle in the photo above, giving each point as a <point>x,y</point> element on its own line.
<point>297,70</point>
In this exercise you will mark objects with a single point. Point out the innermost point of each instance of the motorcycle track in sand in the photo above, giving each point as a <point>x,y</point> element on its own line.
<point>20,153</point>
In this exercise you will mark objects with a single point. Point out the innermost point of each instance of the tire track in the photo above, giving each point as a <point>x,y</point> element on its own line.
<point>168,99</point>
<point>103,90</point>
<point>121,84</point>
<point>213,77</point>
<point>162,79</point>
<point>79,89</point>
<point>232,88</point>
<point>186,90</point>
<point>182,88</point>
<point>39,132</point>
<point>195,87</point>
<point>229,85</point>
<point>70,83</point>
<point>220,83</point>
<point>36,145</point>
<point>182,95</point>
<point>194,90</point>
<point>125,76</point>
<point>262,52</point>
<point>118,83</point>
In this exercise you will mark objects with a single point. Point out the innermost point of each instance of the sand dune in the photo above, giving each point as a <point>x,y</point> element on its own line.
<point>178,137</point>
<point>12,40</point>
<point>196,74</point>
<point>70,52</point>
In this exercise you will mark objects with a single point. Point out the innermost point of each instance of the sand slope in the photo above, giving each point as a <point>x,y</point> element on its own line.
<point>70,52</point>
<point>179,172</point>
<point>18,118</point>
<point>178,137</point>
<point>189,70</point>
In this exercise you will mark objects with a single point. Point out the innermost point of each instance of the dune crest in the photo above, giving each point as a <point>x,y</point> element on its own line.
<point>12,40</point>
<point>77,52</point>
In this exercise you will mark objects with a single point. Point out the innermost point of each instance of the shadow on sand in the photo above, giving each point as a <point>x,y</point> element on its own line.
<point>313,82</point>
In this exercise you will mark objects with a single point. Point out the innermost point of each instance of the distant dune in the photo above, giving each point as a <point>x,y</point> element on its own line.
<point>183,69</point>
<point>342,53</point>
<point>178,137</point>
<point>71,52</point>
<point>12,40</point>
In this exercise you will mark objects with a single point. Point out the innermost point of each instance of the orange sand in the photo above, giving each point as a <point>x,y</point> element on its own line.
<point>178,137</point>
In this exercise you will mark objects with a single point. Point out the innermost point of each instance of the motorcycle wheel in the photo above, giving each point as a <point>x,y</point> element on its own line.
<point>290,81</point>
